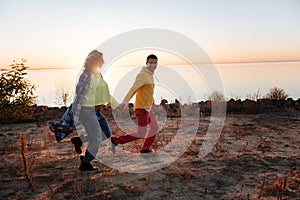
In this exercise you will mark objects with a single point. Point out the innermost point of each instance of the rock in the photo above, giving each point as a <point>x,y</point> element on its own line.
<point>234,106</point>
<point>42,109</point>
<point>279,104</point>
<point>174,110</point>
<point>207,106</point>
<point>289,104</point>
<point>54,108</point>
<point>250,107</point>
<point>201,106</point>
<point>164,102</point>
<point>34,107</point>
<point>297,104</point>
<point>131,109</point>
<point>177,102</point>
<point>266,105</point>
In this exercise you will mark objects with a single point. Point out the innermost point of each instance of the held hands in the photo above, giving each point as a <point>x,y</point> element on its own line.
<point>122,105</point>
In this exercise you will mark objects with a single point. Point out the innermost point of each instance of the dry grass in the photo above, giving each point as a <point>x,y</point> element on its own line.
<point>24,160</point>
<point>244,148</point>
<point>220,146</point>
<point>134,188</point>
<point>184,173</point>
<point>276,188</point>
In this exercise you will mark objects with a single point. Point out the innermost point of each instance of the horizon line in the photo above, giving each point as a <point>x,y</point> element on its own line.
<point>218,63</point>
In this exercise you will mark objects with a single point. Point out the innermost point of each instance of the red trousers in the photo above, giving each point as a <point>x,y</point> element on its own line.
<point>144,118</point>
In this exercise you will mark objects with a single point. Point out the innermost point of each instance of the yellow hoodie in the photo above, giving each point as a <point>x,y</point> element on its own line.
<point>143,87</point>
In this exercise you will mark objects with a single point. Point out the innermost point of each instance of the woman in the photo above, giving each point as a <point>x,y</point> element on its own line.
<point>91,91</point>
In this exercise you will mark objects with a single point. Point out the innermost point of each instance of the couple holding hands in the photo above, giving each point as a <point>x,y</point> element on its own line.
<point>91,92</point>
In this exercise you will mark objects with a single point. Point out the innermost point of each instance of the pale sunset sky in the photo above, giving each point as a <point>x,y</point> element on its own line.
<point>60,34</point>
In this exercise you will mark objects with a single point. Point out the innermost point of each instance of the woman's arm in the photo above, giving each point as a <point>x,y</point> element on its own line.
<point>114,103</point>
<point>81,89</point>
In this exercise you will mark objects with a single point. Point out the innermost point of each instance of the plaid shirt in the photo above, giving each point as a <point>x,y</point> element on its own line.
<point>71,116</point>
<point>66,125</point>
<point>81,89</point>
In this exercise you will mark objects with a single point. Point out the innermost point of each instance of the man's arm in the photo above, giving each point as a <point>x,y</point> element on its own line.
<point>139,82</point>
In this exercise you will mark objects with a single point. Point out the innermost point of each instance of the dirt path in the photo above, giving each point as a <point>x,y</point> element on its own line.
<point>257,156</point>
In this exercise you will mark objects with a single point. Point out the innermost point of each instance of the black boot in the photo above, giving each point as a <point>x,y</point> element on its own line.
<point>145,151</point>
<point>77,143</point>
<point>86,166</point>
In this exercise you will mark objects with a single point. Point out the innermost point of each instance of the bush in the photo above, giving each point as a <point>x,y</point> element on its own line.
<point>63,96</point>
<point>216,96</point>
<point>277,94</point>
<point>254,96</point>
<point>16,94</point>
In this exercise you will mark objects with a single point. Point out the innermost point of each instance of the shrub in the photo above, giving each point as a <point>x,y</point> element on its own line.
<point>277,94</point>
<point>63,96</point>
<point>16,94</point>
<point>254,96</point>
<point>216,96</point>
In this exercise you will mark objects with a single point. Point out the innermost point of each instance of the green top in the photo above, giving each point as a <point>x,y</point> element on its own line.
<point>98,93</point>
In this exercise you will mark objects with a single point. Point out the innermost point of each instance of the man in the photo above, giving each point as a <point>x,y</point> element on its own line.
<point>143,87</point>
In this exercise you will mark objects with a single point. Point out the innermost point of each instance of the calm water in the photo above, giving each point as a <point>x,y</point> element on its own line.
<point>179,81</point>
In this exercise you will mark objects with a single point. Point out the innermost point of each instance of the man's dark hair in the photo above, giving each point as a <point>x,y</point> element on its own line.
<point>151,56</point>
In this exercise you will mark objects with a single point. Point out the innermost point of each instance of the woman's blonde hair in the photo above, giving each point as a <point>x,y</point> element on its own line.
<point>92,59</point>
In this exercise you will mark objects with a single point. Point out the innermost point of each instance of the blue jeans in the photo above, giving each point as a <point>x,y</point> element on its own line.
<point>96,128</point>
<point>104,125</point>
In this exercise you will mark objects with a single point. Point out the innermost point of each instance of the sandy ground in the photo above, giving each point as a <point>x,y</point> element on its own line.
<point>256,157</point>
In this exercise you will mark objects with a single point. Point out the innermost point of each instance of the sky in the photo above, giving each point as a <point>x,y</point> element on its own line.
<point>59,34</point>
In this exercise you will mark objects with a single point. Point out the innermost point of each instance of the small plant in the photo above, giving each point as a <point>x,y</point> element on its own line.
<point>184,173</point>
<point>278,187</point>
<point>221,145</point>
<point>216,96</point>
<point>63,95</point>
<point>244,148</point>
<point>24,160</point>
<point>254,96</point>
<point>276,94</point>
<point>16,94</point>
<point>51,191</point>
<point>135,188</point>
<point>219,148</point>
<point>261,187</point>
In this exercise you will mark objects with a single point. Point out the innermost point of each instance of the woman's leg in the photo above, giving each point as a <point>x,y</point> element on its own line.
<point>90,122</point>
<point>104,125</point>
<point>77,143</point>
<point>106,133</point>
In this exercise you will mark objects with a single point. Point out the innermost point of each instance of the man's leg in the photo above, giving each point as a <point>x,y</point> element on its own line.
<point>150,137</point>
<point>142,117</point>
